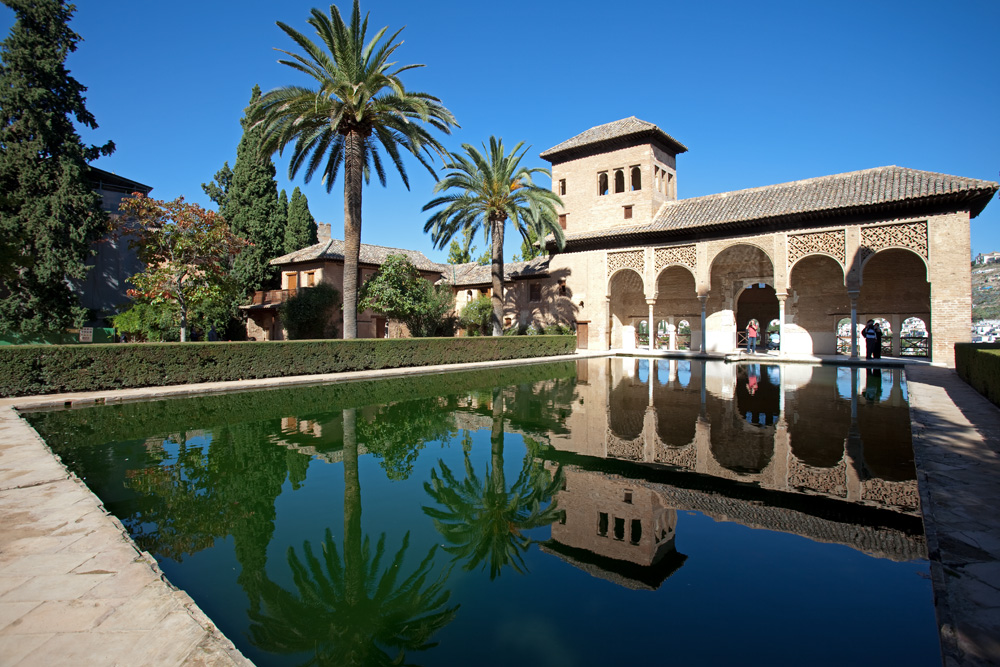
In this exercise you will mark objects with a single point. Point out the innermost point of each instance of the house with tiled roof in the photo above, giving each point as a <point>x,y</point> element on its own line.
<point>323,262</point>
<point>808,260</point>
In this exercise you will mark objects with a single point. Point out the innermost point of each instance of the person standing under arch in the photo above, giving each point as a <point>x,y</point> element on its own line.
<point>753,330</point>
<point>872,339</point>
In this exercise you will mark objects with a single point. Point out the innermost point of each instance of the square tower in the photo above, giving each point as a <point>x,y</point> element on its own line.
<point>614,175</point>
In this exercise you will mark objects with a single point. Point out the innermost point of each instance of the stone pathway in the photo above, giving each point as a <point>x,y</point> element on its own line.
<point>956,443</point>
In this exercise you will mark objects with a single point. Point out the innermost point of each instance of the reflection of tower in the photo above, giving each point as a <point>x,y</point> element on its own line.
<point>615,529</point>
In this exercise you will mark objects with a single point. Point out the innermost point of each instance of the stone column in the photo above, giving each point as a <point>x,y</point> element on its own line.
<point>853,296</point>
<point>652,325</point>
<point>781,322</point>
<point>896,322</point>
<point>704,334</point>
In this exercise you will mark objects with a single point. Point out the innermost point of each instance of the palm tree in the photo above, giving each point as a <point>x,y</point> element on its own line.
<point>358,105</point>
<point>489,190</point>
<point>481,518</point>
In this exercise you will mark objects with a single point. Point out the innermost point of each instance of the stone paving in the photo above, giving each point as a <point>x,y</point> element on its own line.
<point>74,588</point>
<point>956,444</point>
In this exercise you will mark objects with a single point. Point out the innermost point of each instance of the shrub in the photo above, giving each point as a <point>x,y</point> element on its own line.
<point>26,370</point>
<point>476,316</point>
<point>979,365</point>
<point>307,314</point>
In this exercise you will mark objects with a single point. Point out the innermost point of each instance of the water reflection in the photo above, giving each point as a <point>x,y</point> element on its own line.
<point>614,453</point>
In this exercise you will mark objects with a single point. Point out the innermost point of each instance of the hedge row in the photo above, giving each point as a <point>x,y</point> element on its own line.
<point>979,365</point>
<point>29,370</point>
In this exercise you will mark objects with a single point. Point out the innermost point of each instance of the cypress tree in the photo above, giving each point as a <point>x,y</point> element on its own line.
<point>218,189</point>
<point>252,209</point>
<point>302,230</point>
<point>49,212</point>
<point>283,210</point>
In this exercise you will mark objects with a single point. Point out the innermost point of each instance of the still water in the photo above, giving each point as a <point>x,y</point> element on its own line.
<point>596,512</point>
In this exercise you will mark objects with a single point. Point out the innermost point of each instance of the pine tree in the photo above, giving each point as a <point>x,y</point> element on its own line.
<point>252,209</point>
<point>302,230</point>
<point>49,212</point>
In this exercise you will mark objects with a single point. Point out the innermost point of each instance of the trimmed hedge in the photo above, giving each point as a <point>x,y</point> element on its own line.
<point>979,365</point>
<point>30,370</point>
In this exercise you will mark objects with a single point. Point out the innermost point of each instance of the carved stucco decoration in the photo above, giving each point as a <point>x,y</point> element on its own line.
<point>629,259</point>
<point>680,254</point>
<point>832,243</point>
<point>682,457</point>
<point>629,450</point>
<point>911,235</point>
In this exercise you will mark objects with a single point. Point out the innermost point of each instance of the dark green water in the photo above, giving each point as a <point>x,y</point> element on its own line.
<point>597,512</point>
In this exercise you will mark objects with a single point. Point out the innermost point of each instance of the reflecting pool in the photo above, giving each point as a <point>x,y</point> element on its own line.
<point>589,512</point>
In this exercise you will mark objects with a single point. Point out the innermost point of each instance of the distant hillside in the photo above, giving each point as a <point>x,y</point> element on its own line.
<point>986,292</point>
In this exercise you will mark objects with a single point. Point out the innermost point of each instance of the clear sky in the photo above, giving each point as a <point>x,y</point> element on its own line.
<point>760,93</point>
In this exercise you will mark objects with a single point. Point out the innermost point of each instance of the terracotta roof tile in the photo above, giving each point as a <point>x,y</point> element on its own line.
<point>333,249</point>
<point>609,132</point>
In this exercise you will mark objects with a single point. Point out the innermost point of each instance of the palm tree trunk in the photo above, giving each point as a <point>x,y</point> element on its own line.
<point>353,181</point>
<point>497,228</point>
<point>496,441</point>
<point>353,568</point>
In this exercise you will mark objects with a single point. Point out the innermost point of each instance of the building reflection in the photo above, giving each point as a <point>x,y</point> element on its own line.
<point>820,452</point>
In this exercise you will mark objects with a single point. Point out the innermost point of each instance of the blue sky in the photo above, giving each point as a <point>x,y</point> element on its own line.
<point>761,93</point>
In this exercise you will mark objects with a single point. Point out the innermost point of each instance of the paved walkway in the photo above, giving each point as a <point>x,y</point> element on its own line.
<point>956,444</point>
<point>75,590</point>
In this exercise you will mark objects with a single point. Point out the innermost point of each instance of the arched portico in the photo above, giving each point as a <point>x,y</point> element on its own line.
<point>626,306</point>
<point>734,269</point>
<point>817,302</point>
<point>677,301</point>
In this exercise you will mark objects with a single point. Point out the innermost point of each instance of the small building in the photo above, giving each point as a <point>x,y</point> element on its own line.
<point>324,263</point>
<point>987,258</point>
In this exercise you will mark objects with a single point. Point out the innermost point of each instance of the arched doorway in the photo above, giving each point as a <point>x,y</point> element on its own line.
<point>738,269</point>
<point>628,308</point>
<point>757,302</point>
<point>816,304</point>
<point>894,287</point>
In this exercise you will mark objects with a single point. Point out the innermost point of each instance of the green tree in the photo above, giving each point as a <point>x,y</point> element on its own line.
<point>360,104</point>
<point>477,315</point>
<point>529,248</point>
<point>186,250</point>
<point>218,189</point>
<point>252,208</point>
<point>301,231</point>
<point>487,191</point>
<point>398,291</point>
<point>307,314</point>
<point>49,212</point>
<point>283,209</point>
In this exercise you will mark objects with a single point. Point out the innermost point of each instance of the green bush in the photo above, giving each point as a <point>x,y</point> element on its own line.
<point>979,365</point>
<point>475,317</point>
<point>27,370</point>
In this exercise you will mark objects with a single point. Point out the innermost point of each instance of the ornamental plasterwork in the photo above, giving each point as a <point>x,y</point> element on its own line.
<point>831,243</point>
<point>630,259</point>
<point>680,254</point>
<point>682,457</point>
<point>911,235</point>
<point>629,450</point>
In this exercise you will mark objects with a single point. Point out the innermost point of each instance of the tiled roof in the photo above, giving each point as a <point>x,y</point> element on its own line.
<point>611,133</point>
<point>333,249</point>
<point>462,275</point>
<point>857,192</point>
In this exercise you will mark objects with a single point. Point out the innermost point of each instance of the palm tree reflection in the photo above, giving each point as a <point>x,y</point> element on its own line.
<point>483,520</point>
<point>347,609</point>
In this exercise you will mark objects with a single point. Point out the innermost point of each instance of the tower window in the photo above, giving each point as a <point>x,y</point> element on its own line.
<point>562,220</point>
<point>602,183</point>
<point>628,212</point>
<point>562,186</point>
<point>636,532</point>
<point>602,524</point>
<point>636,179</point>
<point>619,180</point>
<point>619,529</point>
<point>535,292</point>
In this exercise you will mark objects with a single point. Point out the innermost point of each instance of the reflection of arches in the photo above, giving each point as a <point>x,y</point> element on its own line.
<point>626,408</point>
<point>736,444</point>
<point>677,409</point>
<point>817,447</point>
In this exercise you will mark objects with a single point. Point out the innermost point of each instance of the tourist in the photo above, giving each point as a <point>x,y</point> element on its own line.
<point>752,331</point>
<point>878,340</point>
<point>872,337</point>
